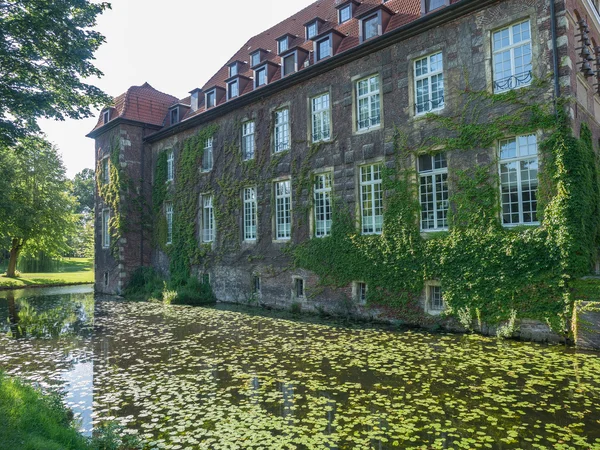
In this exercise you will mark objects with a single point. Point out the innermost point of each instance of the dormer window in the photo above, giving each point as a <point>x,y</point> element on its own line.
<point>195,99</point>
<point>345,14</point>
<point>371,27</point>
<point>233,89</point>
<point>289,64</point>
<point>312,30</point>
<point>233,70</point>
<point>431,5</point>
<point>106,116</point>
<point>324,48</point>
<point>255,58</point>
<point>211,98</point>
<point>260,77</point>
<point>174,116</point>
<point>283,44</point>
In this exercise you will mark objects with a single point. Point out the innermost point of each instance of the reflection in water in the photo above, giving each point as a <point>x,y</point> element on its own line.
<point>224,378</point>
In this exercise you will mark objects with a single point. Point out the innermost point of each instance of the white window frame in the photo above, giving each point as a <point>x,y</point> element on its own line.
<point>207,155</point>
<point>311,34</point>
<point>436,187</point>
<point>283,210</point>
<point>170,165</point>
<point>194,101</point>
<point>360,291</point>
<point>250,217</point>
<point>106,116</point>
<point>233,89</point>
<point>212,94</point>
<point>371,193</point>
<point>514,80</point>
<point>208,219</point>
<point>435,303</point>
<point>106,228</point>
<point>169,217</point>
<point>255,58</point>
<point>282,130</point>
<point>341,12</point>
<point>248,146</point>
<point>521,156</point>
<point>323,213</point>
<point>257,73</point>
<point>320,106</point>
<point>106,170</point>
<point>429,79</point>
<point>372,98</point>
<point>318,54</point>
<point>294,55</point>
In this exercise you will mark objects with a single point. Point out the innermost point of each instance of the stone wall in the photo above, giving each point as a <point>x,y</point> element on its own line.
<point>587,325</point>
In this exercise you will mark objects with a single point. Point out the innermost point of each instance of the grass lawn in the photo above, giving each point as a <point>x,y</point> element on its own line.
<point>73,271</point>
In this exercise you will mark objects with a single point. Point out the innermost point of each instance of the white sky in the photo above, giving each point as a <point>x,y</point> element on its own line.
<point>174,45</point>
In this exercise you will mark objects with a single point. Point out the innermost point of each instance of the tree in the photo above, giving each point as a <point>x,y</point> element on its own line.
<point>84,185</point>
<point>46,50</point>
<point>41,215</point>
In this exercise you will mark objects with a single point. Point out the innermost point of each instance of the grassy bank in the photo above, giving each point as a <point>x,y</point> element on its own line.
<point>31,420</point>
<point>72,271</point>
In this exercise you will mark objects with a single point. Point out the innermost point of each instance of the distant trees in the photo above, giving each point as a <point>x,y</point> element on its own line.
<point>36,207</point>
<point>46,51</point>
<point>84,185</point>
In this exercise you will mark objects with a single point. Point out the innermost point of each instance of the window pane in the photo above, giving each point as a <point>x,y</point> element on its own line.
<point>371,27</point>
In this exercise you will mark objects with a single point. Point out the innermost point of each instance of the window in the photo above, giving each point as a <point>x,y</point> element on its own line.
<point>170,165</point>
<point>256,284</point>
<point>233,70</point>
<point>106,279</point>
<point>360,293</point>
<point>371,199</point>
<point>311,30</point>
<point>299,287</point>
<point>321,118</point>
<point>233,89</point>
<point>289,64</point>
<point>174,116</point>
<point>248,140</point>
<point>169,214</point>
<point>322,205</point>
<point>260,77</point>
<point>194,101</point>
<point>519,180</point>
<point>512,57</point>
<point>431,5</point>
<point>282,45</point>
<point>433,192</point>
<point>211,98</point>
<point>368,103</point>
<point>105,171</point>
<point>345,14</point>
<point>207,155</point>
<point>105,228</point>
<point>250,217</point>
<point>429,84</point>
<point>283,218</point>
<point>436,299</point>
<point>208,219</point>
<point>282,130</point>
<point>255,58</point>
<point>370,27</point>
<point>323,49</point>
<point>106,116</point>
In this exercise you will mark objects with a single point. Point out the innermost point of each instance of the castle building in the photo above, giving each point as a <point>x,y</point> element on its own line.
<point>309,114</point>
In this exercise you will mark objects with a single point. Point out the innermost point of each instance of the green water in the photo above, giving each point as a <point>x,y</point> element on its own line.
<point>187,378</point>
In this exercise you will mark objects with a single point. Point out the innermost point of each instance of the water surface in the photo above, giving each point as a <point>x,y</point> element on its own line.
<point>186,378</point>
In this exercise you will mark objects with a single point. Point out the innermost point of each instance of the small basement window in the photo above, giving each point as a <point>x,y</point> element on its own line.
<point>299,287</point>
<point>256,284</point>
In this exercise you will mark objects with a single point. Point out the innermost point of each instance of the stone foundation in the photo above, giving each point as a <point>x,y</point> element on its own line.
<point>586,326</point>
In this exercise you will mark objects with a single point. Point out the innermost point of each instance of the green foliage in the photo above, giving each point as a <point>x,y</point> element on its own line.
<point>40,218</point>
<point>46,51</point>
<point>32,420</point>
<point>84,185</point>
<point>193,292</point>
<point>499,273</point>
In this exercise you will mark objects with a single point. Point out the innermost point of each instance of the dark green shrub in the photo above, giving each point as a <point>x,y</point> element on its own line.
<point>193,292</point>
<point>144,283</point>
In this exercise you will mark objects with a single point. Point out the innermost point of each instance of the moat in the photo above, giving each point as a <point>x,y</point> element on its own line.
<point>231,377</point>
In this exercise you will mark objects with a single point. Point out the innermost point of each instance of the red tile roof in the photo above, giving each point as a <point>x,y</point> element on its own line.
<point>141,104</point>
<point>145,104</point>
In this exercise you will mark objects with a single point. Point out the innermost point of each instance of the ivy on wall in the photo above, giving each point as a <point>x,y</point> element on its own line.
<point>487,271</point>
<point>112,194</point>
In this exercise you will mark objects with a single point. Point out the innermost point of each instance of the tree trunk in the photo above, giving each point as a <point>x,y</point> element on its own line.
<point>14,255</point>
